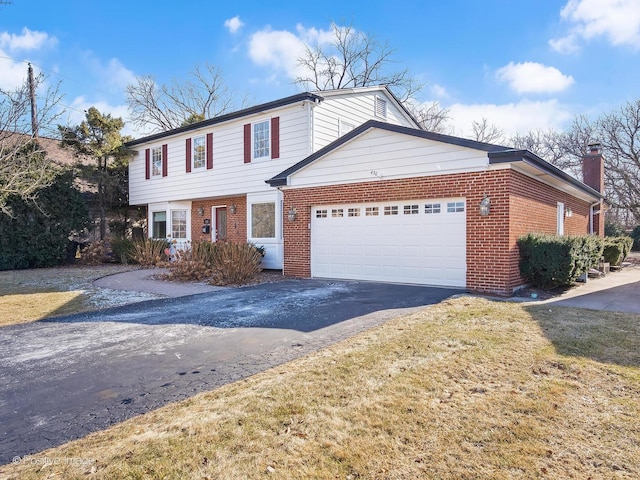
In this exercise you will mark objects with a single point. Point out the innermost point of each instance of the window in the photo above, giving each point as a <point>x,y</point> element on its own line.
<point>321,214</point>
<point>381,108</point>
<point>411,209</point>
<point>344,127</point>
<point>261,139</point>
<point>560,214</point>
<point>178,224</point>
<point>156,161</point>
<point>353,212</point>
<point>337,212</point>
<point>263,220</point>
<point>454,207</point>
<point>432,208</point>
<point>371,212</point>
<point>392,210</point>
<point>199,150</point>
<point>159,221</point>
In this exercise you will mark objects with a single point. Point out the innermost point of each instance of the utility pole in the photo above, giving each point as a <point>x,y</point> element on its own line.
<point>32,97</point>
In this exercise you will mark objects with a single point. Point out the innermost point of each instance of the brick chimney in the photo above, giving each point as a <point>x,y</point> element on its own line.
<point>593,175</point>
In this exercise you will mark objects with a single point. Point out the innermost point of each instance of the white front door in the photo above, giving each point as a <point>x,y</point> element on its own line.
<point>417,241</point>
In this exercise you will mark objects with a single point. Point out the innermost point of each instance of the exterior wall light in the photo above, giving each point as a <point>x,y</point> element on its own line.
<point>200,211</point>
<point>485,206</point>
<point>292,214</point>
<point>233,209</point>
<point>568,213</point>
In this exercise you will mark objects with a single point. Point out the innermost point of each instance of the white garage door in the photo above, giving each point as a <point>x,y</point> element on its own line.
<point>414,241</point>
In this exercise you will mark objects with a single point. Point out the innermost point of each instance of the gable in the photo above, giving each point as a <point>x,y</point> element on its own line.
<point>387,154</point>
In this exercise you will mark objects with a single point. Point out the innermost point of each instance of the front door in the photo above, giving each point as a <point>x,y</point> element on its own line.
<point>221,224</point>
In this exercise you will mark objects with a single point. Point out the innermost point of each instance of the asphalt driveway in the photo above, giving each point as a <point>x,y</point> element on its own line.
<point>65,377</point>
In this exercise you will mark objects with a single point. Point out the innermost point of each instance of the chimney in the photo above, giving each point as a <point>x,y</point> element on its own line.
<point>593,167</point>
<point>593,175</point>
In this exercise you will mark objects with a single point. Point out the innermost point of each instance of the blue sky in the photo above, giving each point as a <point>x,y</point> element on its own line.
<point>522,64</point>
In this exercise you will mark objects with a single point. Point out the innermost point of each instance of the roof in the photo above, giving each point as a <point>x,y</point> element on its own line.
<point>229,116</point>
<point>312,96</point>
<point>55,152</point>
<point>497,154</point>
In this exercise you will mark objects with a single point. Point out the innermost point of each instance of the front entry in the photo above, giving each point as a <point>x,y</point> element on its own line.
<point>220,232</point>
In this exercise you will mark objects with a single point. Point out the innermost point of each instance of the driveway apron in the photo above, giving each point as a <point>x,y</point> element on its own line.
<point>65,377</point>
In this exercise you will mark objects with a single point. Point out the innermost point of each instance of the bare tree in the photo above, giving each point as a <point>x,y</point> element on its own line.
<point>24,166</point>
<point>164,107</point>
<point>431,117</point>
<point>354,59</point>
<point>483,131</point>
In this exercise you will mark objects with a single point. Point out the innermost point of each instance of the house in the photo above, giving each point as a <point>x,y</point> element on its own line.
<point>344,184</point>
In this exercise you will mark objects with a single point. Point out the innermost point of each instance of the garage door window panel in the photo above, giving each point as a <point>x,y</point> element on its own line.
<point>455,207</point>
<point>431,208</point>
<point>391,210</point>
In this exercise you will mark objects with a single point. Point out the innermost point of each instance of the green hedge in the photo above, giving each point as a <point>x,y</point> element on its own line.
<point>635,235</point>
<point>548,261</point>
<point>616,249</point>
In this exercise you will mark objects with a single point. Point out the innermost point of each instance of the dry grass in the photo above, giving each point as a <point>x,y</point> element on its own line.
<point>465,389</point>
<point>30,295</point>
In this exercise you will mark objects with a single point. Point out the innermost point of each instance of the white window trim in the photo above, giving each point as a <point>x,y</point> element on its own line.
<point>193,153</point>
<point>153,151</point>
<point>560,218</point>
<point>344,127</point>
<point>253,144</point>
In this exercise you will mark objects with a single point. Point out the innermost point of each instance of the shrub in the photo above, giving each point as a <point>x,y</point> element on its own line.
<point>95,253</point>
<point>549,261</point>
<point>149,252</point>
<point>612,228</point>
<point>616,249</point>
<point>635,235</point>
<point>235,263</point>
<point>194,263</point>
<point>122,249</point>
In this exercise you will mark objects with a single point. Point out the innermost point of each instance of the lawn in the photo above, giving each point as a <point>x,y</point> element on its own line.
<point>469,388</point>
<point>30,295</point>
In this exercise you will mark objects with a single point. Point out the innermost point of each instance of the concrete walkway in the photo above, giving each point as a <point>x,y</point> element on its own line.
<point>143,281</point>
<point>615,292</point>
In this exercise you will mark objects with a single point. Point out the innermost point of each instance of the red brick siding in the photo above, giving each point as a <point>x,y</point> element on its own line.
<point>236,223</point>
<point>519,204</point>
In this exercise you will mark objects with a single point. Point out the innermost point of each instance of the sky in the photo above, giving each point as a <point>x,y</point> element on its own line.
<point>520,64</point>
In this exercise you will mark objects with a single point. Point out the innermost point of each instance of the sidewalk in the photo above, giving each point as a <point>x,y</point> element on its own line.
<point>615,292</point>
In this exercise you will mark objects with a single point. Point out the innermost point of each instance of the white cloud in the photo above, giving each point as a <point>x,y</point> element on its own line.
<point>532,77</point>
<point>617,20</point>
<point>281,49</point>
<point>111,73</point>
<point>29,40</point>
<point>511,118</point>
<point>12,74</point>
<point>233,24</point>
<point>438,91</point>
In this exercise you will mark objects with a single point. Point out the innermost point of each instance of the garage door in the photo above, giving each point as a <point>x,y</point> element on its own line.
<point>421,242</point>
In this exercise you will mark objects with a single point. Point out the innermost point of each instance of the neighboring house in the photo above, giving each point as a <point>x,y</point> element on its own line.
<point>355,190</point>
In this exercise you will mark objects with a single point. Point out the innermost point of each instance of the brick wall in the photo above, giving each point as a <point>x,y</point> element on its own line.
<point>519,205</point>
<point>236,222</point>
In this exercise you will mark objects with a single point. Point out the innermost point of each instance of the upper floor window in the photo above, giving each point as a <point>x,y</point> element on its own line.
<point>381,107</point>
<point>344,127</point>
<point>156,161</point>
<point>261,140</point>
<point>199,152</point>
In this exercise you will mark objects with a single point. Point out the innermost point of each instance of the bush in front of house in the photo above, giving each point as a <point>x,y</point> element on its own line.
<point>122,249</point>
<point>549,261</point>
<point>194,263</point>
<point>150,252</point>
<point>635,235</point>
<point>95,253</point>
<point>616,249</point>
<point>235,263</point>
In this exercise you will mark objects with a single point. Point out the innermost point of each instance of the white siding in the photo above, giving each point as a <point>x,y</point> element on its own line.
<point>384,154</point>
<point>354,108</point>
<point>230,175</point>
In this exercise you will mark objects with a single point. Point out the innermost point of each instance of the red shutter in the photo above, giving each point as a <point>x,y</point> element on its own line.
<point>247,143</point>
<point>188,155</point>
<point>147,163</point>
<point>165,162</point>
<point>209,151</point>
<point>275,137</point>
